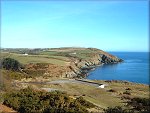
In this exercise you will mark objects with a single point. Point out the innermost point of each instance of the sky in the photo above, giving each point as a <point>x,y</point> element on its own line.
<point>107,25</point>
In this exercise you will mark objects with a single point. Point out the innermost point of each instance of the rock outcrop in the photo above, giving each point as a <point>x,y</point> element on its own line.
<point>81,67</point>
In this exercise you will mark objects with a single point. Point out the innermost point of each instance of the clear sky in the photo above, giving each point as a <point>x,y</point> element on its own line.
<point>107,25</point>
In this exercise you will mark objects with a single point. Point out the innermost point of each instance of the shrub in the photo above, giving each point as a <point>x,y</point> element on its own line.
<point>137,105</point>
<point>127,93</point>
<point>84,95</point>
<point>128,88</point>
<point>10,64</point>
<point>112,90</point>
<point>31,101</point>
<point>117,109</point>
<point>140,104</point>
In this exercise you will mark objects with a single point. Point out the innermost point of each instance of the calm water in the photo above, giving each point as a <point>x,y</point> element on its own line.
<point>135,68</point>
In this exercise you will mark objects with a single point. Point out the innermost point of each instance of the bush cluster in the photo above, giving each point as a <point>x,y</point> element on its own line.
<point>140,104</point>
<point>137,105</point>
<point>116,109</point>
<point>10,64</point>
<point>31,101</point>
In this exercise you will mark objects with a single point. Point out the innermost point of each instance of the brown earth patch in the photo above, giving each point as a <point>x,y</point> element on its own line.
<point>5,109</point>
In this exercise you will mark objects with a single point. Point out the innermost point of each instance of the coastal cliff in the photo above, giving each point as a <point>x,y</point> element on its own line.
<point>78,61</point>
<point>81,67</point>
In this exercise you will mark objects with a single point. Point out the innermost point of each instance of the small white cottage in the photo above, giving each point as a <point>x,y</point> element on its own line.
<point>74,53</point>
<point>101,86</point>
<point>25,54</point>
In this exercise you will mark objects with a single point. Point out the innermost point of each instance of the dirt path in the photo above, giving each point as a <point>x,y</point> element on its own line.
<point>71,81</point>
<point>63,81</point>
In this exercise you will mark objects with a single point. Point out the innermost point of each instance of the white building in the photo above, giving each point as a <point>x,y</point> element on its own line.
<point>101,86</point>
<point>25,54</point>
<point>74,53</point>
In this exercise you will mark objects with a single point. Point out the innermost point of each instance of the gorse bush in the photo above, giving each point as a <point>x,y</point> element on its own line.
<point>140,104</point>
<point>137,105</point>
<point>117,109</point>
<point>31,101</point>
<point>112,90</point>
<point>10,64</point>
<point>127,93</point>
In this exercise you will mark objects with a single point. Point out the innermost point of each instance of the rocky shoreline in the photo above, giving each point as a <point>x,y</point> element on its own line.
<point>103,60</point>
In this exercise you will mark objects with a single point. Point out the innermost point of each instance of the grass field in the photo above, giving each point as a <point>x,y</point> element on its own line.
<point>26,59</point>
<point>54,56</point>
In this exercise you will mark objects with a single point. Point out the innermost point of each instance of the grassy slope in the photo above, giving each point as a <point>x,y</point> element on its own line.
<point>102,97</point>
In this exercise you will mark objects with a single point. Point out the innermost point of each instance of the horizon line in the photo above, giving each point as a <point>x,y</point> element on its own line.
<point>68,47</point>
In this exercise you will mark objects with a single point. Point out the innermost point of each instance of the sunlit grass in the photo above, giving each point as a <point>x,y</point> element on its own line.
<point>36,59</point>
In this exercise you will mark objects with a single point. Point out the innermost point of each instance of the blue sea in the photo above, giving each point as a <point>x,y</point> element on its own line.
<point>135,68</point>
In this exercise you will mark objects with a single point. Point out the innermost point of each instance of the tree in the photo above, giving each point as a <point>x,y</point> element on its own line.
<point>10,64</point>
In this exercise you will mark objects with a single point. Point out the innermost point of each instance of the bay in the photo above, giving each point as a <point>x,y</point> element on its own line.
<point>135,68</point>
